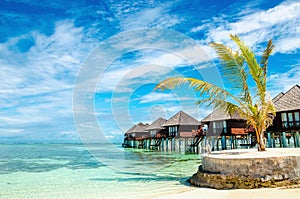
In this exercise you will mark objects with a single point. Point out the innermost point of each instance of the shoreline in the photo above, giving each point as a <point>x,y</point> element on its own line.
<point>262,193</point>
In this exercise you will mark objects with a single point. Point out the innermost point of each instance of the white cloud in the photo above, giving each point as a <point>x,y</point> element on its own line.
<point>50,65</point>
<point>279,23</point>
<point>154,97</point>
<point>185,56</point>
<point>282,82</point>
<point>109,137</point>
<point>150,17</point>
<point>127,76</point>
<point>151,66</point>
<point>288,44</point>
<point>204,25</point>
<point>10,131</point>
<point>36,86</point>
<point>162,97</point>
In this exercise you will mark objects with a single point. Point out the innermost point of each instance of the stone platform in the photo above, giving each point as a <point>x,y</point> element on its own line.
<point>248,168</point>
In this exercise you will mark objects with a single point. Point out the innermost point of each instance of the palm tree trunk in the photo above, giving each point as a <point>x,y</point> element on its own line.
<point>261,142</point>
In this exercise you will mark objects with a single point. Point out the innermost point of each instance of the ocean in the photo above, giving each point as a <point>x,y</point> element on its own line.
<point>91,171</point>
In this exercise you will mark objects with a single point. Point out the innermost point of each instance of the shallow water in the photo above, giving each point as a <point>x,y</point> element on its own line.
<point>72,171</point>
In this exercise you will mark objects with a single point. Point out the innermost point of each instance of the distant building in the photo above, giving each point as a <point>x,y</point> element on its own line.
<point>136,135</point>
<point>156,129</point>
<point>181,125</point>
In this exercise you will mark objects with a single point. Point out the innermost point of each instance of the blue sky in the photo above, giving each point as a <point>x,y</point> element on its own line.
<point>45,44</point>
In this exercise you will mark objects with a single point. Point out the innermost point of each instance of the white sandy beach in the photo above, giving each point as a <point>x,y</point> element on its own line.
<point>205,193</point>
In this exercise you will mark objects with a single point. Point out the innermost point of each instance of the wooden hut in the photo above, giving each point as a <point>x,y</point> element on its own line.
<point>181,125</point>
<point>181,131</point>
<point>157,132</point>
<point>128,138</point>
<point>136,135</point>
<point>224,126</point>
<point>286,124</point>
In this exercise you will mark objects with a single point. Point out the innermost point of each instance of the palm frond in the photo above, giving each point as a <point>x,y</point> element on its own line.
<point>254,68</point>
<point>233,69</point>
<point>265,57</point>
<point>231,64</point>
<point>215,95</point>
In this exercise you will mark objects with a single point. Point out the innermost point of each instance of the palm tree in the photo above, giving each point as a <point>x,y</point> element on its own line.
<point>239,68</point>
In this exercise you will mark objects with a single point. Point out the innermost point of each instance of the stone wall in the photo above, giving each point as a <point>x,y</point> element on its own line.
<point>249,169</point>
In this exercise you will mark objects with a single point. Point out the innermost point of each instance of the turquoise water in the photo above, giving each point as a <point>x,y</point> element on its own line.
<point>72,171</point>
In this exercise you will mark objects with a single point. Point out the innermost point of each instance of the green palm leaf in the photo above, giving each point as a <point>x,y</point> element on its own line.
<point>214,93</point>
<point>254,68</point>
<point>233,69</point>
<point>265,57</point>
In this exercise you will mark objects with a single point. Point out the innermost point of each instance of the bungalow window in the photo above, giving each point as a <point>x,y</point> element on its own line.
<point>291,120</point>
<point>173,130</point>
<point>218,127</point>
<point>284,120</point>
<point>153,133</point>
<point>297,119</point>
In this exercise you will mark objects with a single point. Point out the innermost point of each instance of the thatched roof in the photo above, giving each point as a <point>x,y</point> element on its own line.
<point>157,124</point>
<point>131,129</point>
<point>181,118</point>
<point>139,128</point>
<point>277,97</point>
<point>218,115</point>
<point>288,101</point>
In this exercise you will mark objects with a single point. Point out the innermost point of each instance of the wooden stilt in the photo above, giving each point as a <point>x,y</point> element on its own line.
<point>269,140</point>
<point>294,139</point>
<point>273,140</point>
<point>284,144</point>
<point>231,142</point>
<point>223,142</point>
<point>280,140</point>
<point>297,140</point>
<point>167,144</point>
<point>174,144</point>
<point>180,145</point>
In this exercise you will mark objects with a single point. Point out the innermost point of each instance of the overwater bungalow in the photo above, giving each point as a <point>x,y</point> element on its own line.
<point>181,125</point>
<point>157,132</point>
<point>135,136</point>
<point>222,126</point>
<point>182,132</point>
<point>286,124</point>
